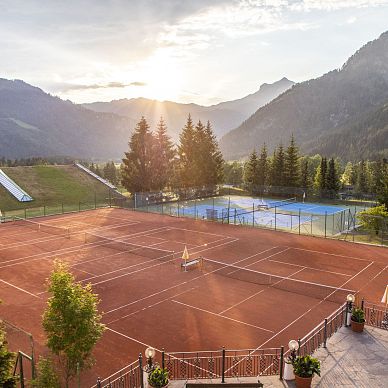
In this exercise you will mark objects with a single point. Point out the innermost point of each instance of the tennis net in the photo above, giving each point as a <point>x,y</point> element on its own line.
<point>296,286</point>
<point>41,227</point>
<point>136,249</point>
<point>280,203</point>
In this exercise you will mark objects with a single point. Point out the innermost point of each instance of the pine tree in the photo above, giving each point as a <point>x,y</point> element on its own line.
<point>332,181</point>
<point>251,172</point>
<point>278,165</point>
<point>202,156</point>
<point>291,165</point>
<point>137,172</point>
<point>320,181</point>
<point>187,154</point>
<point>216,165</point>
<point>263,167</point>
<point>110,172</point>
<point>164,155</point>
<point>304,174</point>
<point>362,184</point>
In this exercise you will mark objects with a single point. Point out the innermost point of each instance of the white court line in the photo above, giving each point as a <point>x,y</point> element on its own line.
<point>166,289</point>
<point>20,289</point>
<point>131,338</point>
<point>221,316</point>
<point>75,248</point>
<point>305,313</point>
<point>315,269</point>
<point>152,305</point>
<point>371,280</point>
<point>331,254</point>
<point>197,231</point>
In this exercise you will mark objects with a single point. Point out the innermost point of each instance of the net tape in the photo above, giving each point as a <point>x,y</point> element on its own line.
<point>123,246</point>
<point>41,227</point>
<point>296,286</point>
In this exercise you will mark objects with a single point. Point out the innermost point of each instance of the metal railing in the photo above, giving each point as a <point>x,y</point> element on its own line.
<point>375,316</point>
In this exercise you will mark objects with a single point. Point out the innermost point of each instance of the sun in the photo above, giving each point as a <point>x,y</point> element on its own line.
<point>163,77</point>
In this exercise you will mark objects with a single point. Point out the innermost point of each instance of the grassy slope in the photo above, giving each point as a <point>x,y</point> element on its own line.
<point>52,185</point>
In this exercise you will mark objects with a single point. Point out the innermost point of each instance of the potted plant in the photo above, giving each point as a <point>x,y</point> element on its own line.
<point>158,377</point>
<point>304,369</point>
<point>357,320</point>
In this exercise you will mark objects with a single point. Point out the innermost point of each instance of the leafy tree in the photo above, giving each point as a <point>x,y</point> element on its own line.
<point>332,181</point>
<point>291,165</point>
<point>251,172</point>
<point>374,218</point>
<point>7,362</point>
<point>382,194</point>
<point>263,167</point>
<point>164,155</point>
<point>47,376</point>
<point>71,321</point>
<point>137,172</point>
<point>187,153</point>
<point>349,176</point>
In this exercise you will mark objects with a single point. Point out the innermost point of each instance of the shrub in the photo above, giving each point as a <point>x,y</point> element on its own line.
<point>158,377</point>
<point>358,315</point>
<point>373,219</point>
<point>306,366</point>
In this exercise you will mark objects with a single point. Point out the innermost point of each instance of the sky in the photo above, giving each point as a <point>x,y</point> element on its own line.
<point>201,51</point>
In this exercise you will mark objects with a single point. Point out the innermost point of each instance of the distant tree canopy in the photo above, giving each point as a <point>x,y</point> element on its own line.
<point>152,163</point>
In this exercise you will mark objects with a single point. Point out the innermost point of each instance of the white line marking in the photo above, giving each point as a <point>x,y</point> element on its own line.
<point>220,316</point>
<point>20,289</point>
<point>331,254</point>
<point>130,338</point>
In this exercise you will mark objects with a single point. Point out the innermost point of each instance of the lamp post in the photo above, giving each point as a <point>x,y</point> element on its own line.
<point>349,305</point>
<point>289,368</point>
<point>150,354</point>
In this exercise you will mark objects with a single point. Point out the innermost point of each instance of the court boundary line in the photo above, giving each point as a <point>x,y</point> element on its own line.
<point>19,288</point>
<point>221,316</point>
<point>306,312</point>
<point>332,254</point>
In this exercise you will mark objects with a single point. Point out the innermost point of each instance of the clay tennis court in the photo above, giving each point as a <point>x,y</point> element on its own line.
<point>256,288</point>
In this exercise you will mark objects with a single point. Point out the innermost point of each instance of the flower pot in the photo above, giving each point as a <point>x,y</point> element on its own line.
<point>303,382</point>
<point>357,327</point>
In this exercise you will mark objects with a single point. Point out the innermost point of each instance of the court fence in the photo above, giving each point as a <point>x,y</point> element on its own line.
<point>375,315</point>
<point>223,364</point>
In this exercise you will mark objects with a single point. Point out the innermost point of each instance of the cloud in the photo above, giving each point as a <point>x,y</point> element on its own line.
<point>332,5</point>
<point>66,87</point>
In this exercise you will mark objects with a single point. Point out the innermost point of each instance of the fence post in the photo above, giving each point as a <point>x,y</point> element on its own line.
<point>162,358</point>
<point>78,376</point>
<point>95,200</point>
<point>141,371</point>
<point>98,382</point>
<point>21,371</point>
<point>325,222</point>
<point>362,304</point>
<point>223,365</point>
<point>325,333</point>
<point>79,206</point>
<point>275,217</point>
<point>63,210</point>
<point>44,210</point>
<point>253,214</point>
<point>25,213</point>
<point>299,222</point>
<point>281,362</point>
<point>299,346</point>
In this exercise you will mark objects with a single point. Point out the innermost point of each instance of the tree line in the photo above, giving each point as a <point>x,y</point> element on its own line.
<point>288,168</point>
<point>154,163</point>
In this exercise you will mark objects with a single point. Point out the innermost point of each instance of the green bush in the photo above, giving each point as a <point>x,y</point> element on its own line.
<point>47,377</point>
<point>306,366</point>
<point>358,315</point>
<point>374,218</point>
<point>158,377</point>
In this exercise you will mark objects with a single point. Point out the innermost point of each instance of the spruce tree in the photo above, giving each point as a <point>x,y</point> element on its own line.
<point>291,165</point>
<point>362,184</point>
<point>187,154</point>
<point>164,155</point>
<point>202,157</point>
<point>251,172</point>
<point>304,174</point>
<point>320,182</point>
<point>216,165</point>
<point>263,167</point>
<point>278,167</point>
<point>137,172</point>
<point>332,181</point>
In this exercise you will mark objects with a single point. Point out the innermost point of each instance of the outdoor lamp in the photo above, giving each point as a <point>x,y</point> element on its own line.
<point>350,298</point>
<point>150,354</point>
<point>293,345</point>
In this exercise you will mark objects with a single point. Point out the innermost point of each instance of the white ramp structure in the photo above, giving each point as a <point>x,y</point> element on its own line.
<point>102,180</point>
<point>13,188</point>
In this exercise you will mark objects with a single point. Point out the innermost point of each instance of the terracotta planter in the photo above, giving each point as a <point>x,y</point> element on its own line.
<point>303,382</point>
<point>358,327</point>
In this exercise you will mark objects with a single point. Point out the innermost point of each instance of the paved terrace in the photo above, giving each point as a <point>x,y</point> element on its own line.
<point>350,360</point>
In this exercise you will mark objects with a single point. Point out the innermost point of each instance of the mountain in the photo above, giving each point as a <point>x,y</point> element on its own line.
<point>341,113</point>
<point>34,123</point>
<point>223,116</point>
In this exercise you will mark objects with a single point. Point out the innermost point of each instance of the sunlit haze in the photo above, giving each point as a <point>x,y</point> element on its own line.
<point>202,51</point>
